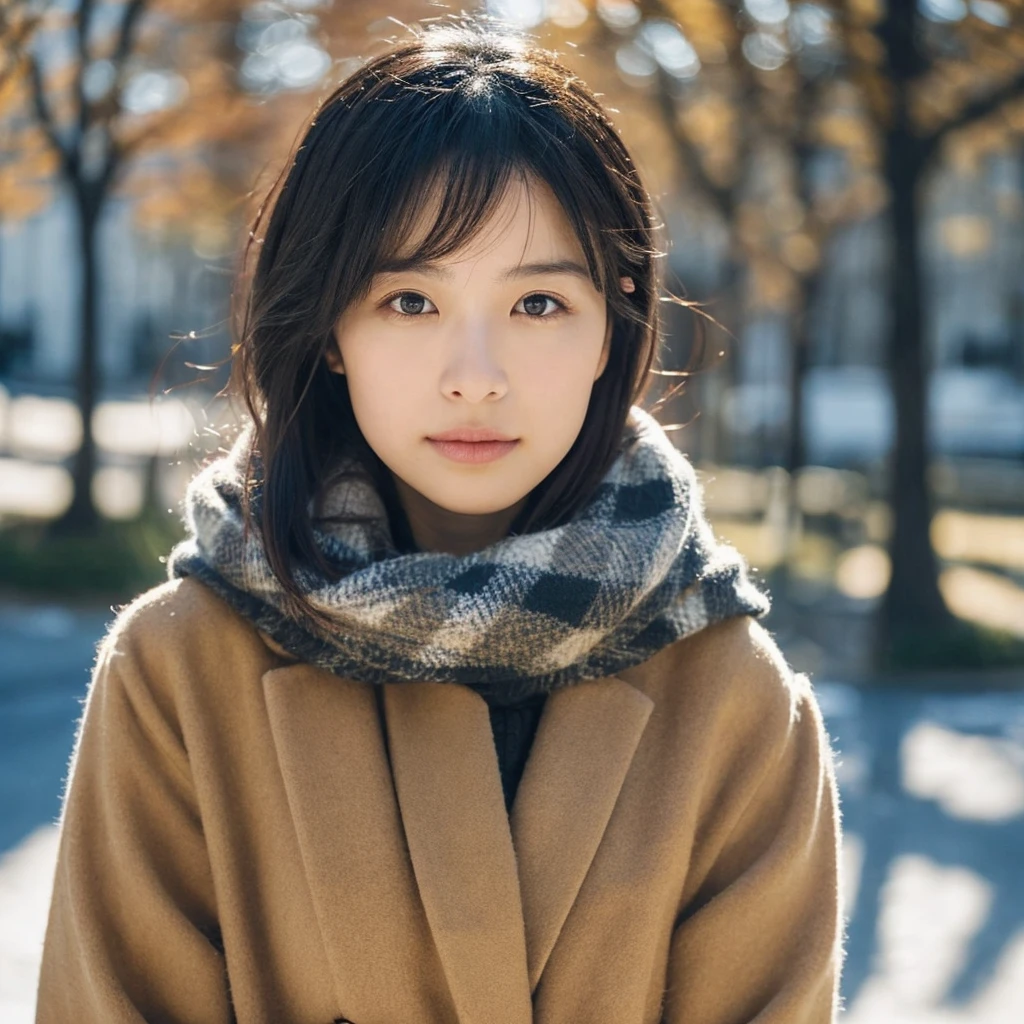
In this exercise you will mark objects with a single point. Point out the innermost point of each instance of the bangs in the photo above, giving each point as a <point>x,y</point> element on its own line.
<point>472,145</point>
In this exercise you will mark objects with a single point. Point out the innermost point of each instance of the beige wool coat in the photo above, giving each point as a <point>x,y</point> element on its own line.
<point>247,837</point>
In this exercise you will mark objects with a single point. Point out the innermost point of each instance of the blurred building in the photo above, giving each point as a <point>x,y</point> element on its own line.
<point>974,319</point>
<point>149,292</point>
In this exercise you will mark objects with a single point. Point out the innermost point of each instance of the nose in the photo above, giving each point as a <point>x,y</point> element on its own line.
<point>473,371</point>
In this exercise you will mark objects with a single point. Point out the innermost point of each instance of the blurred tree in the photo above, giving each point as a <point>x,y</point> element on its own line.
<point>349,32</point>
<point>927,71</point>
<point>791,119</point>
<point>92,91</point>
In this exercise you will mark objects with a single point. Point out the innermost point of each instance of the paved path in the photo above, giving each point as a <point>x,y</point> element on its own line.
<point>46,655</point>
<point>933,804</point>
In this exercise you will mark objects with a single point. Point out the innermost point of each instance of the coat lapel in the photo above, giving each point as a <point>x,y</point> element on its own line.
<point>584,746</point>
<point>496,893</point>
<point>446,776</point>
<point>334,766</point>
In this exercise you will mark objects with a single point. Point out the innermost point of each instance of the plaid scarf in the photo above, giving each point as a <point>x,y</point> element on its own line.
<point>634,570</point>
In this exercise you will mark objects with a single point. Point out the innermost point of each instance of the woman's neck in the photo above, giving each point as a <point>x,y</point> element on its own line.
<point>434,528</point>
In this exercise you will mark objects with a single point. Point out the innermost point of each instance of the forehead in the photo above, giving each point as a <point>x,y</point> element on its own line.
<point>524,216</point>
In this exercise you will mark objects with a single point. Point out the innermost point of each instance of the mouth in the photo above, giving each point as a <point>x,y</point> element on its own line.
<point>471,434</point>
<point>473,451</point>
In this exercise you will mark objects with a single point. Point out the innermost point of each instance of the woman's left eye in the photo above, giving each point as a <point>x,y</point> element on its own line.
<point>534,305</point>
<point>408,305</point>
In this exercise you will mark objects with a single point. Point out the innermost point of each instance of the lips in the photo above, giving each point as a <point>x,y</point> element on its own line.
<point>472,451</point>
<point>471,435</point>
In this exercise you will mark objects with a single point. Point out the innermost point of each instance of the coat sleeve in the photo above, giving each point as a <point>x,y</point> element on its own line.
<point>762,938</point>
<point>131,935</point>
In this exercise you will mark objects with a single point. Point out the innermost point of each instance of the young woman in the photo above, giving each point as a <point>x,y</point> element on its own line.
<point>452,709</point>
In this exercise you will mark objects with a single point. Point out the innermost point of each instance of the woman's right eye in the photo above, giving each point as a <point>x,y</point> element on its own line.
<point>406,304</point>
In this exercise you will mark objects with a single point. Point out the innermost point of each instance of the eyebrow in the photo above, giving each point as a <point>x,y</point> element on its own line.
<point>571,267</point>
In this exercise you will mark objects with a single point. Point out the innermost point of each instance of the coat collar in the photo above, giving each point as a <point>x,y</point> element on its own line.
<point>496,888</point>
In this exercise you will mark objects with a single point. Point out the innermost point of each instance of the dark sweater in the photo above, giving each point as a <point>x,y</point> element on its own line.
<point>514,728</point>
<point>514,725</point>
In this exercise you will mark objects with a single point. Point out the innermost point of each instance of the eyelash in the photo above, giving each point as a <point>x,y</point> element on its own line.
<point>385,305</point>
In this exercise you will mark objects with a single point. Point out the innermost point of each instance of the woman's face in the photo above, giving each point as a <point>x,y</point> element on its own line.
<point>492,337</point>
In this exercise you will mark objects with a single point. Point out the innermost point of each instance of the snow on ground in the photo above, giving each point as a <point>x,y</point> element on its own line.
<point>26,879</point>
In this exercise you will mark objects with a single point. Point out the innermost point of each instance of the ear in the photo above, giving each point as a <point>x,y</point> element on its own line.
<point>606,349</point>
<point>333,355</point>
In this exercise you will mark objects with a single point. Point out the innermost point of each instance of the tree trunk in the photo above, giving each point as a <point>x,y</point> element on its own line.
<point>795,457</point>
<point>81,516</point>
<point>725,375</point>
<point>796,449</point>
<point>913,601</point>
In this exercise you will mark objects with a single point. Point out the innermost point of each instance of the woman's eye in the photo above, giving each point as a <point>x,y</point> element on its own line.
<point>408,303</point>
<point>534,305</point>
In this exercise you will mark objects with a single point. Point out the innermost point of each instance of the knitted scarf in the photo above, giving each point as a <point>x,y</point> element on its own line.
<point>634,570</point>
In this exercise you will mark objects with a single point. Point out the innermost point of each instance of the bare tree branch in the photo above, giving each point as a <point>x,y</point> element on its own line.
<point>159,124</point>
<point>130,22</point>
<point>862,73</point>
<point>83,19</point>
<point>125,44</point>
<point>44,115</point>
<point>977,110</point>
<point>129,30</point>
<point>721,198</point>
<point>16,32</point>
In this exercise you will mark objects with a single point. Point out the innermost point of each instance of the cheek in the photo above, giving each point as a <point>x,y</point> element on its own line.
<point>385,390</point>
<point>562,376</point>
<point>376,373</point>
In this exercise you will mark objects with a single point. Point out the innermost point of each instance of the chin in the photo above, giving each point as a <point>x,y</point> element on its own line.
<point>469,498</point>
<point>475,508</point>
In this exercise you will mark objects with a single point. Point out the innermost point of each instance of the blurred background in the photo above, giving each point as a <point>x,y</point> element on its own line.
<point>842,186</point>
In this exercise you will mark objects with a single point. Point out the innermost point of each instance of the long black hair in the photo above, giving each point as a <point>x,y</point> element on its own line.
<point>463,106</point>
